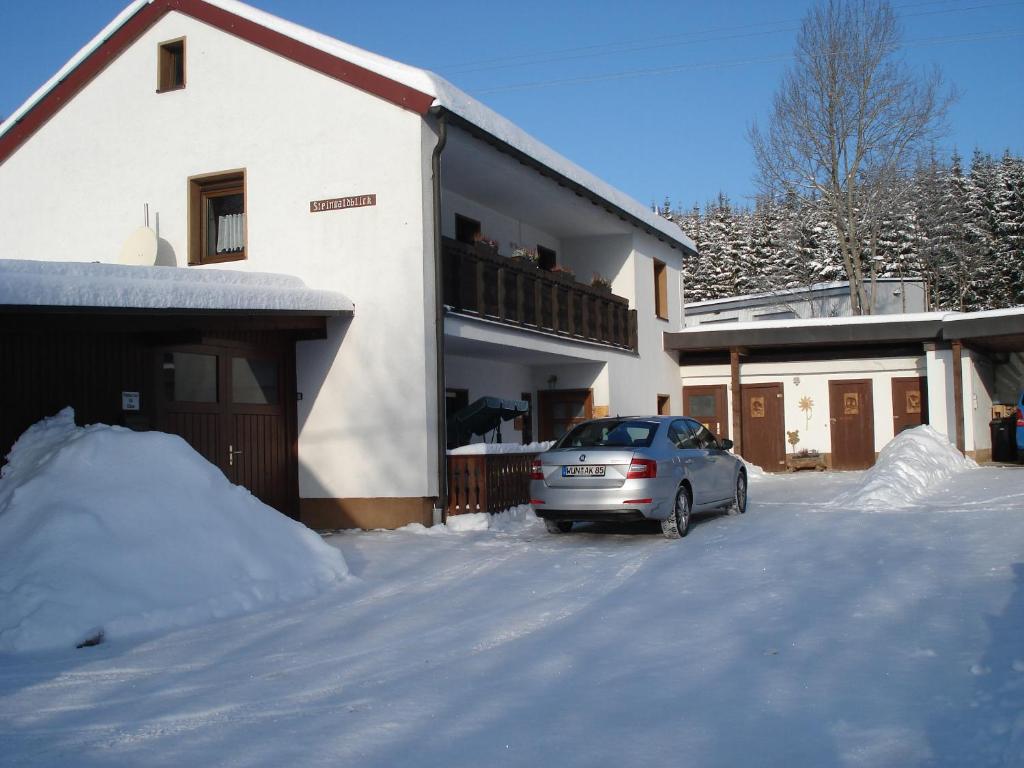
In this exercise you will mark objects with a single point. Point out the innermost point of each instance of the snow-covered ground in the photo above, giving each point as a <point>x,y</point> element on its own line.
<point>807,632</point>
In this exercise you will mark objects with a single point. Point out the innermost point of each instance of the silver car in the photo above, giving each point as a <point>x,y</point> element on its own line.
<point>662,468</point>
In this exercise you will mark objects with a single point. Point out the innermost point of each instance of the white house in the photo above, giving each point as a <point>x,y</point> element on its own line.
<point>248,144</point>
<point>845,386</point>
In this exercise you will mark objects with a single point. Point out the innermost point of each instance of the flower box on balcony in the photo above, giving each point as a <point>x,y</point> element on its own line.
<point>563,276</point>
<point>524,262</point>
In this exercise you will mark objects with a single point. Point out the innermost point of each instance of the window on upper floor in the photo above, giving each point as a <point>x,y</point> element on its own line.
<point>467,230</point>
<point>660,289</point>
<point>216,218</point>
<point>170,65</point>
<point>546,257</point>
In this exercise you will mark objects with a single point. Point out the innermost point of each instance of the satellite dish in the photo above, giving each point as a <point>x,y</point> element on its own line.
<point>140,248</point>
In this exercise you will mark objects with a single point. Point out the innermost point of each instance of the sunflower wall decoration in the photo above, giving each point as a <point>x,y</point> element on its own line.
<point>807,406</point>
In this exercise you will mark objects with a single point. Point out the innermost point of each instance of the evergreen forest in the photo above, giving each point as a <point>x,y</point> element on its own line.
<point>959,229</point>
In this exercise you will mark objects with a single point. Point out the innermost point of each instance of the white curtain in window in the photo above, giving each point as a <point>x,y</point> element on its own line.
<point>230,233</point>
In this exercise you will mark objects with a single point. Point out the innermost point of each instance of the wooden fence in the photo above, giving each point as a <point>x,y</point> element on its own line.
<point>479,281</point>
<point>488,482</point>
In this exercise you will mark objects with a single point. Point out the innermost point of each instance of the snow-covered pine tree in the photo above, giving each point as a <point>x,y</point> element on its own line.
<point>928,186</point>
<point>764,255</point>
<point>1009,217</point>
<point>986,288</point>
<point>721,253</point>
<point>897,238</point>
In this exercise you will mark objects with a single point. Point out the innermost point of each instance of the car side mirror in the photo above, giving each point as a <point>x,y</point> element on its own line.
<point>725,444</point>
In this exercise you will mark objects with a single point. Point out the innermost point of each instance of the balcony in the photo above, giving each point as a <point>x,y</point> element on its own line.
<point>481,283</point>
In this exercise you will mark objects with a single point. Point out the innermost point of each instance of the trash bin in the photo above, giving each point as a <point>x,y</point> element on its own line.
<point>1004,439</point>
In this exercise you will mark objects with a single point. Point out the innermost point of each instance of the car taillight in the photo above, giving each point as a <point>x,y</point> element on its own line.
<point>535,470</point>
<point>1020,418</point>
<point>642,469</point>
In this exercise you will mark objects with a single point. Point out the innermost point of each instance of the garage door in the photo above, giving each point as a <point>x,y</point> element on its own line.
<point>232,405</point>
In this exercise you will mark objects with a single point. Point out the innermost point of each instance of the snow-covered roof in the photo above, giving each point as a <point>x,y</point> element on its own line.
<point>26,283</point>
<point>918,326</point>
<point>802,292</point>
<point>815,322</point>
<point>445,96</point>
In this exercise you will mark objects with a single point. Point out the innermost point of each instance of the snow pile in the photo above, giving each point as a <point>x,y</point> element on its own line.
<point>513,519</point>
<point>479,449</point>
<point>107,530</point>
<point>754,472</point>
<point>910,466</point>
<point>510,521</point>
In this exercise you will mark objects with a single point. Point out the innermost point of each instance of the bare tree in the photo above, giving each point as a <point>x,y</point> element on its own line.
<point>848,117</point>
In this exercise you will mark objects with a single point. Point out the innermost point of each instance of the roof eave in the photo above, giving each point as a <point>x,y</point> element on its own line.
<point>804,336</point>
<point>559,178</point>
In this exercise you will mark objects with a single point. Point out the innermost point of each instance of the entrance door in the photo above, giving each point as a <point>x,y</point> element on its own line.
<point>764,426</point>
<point>232,405</point>
<point>560,410</point>
<point>852,418</point>
<point>909,402</point>
<point>706,404</point>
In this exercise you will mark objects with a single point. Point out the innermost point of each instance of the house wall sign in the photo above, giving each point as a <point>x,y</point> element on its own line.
<point>341,203</point>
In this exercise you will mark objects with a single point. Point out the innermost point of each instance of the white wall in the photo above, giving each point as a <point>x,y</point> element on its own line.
<point>979,386</point>
<point>809,379</point>
<point>657,371</point>
<point>941,415</point>
<point>510,233</point>
<point>606,255</point>
<point>78,186</point>
<point>490,378</point>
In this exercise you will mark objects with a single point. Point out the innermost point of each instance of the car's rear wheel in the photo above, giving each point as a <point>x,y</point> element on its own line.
<point>739,501</point>
<point>677,524</point>
<point>558,526</point>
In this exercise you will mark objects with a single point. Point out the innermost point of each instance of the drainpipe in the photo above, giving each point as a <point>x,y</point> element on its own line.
<point>442,435</point>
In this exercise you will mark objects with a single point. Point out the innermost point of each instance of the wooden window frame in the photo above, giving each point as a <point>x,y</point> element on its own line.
<point>201,189</point>
<point>660,289</point>
<point>664,405</point>
<point>166,73</point>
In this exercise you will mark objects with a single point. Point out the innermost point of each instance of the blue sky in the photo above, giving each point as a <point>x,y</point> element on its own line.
<point>656,98</point>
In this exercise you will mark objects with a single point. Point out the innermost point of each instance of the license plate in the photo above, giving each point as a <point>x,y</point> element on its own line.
<point>583,470</point>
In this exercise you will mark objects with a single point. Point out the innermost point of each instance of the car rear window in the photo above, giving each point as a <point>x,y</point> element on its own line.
<point>613,433</point>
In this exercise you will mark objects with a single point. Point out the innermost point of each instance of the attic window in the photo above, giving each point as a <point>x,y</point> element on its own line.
<point>171,65</point>
<point>216,218</point>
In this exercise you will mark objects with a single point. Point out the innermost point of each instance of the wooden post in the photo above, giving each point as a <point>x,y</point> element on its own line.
<point>958,394</point>
<point>479,275</point>
<point>521,298</point>
<point>501,293</point>
<point>737,400</point>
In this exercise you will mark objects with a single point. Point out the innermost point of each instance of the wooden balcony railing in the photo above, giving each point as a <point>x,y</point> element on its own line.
<point>488,482</point>
<point>478,281</point>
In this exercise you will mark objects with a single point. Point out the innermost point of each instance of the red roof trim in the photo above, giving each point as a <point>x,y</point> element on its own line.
<point>276,42</point>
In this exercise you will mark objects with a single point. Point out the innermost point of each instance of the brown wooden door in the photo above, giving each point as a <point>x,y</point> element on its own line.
<point>764,426</point>
<point>852,418</point>
<point>707,404</point>
<point>909,402</point>
<point>234,405</point>
<point>559,410</point>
